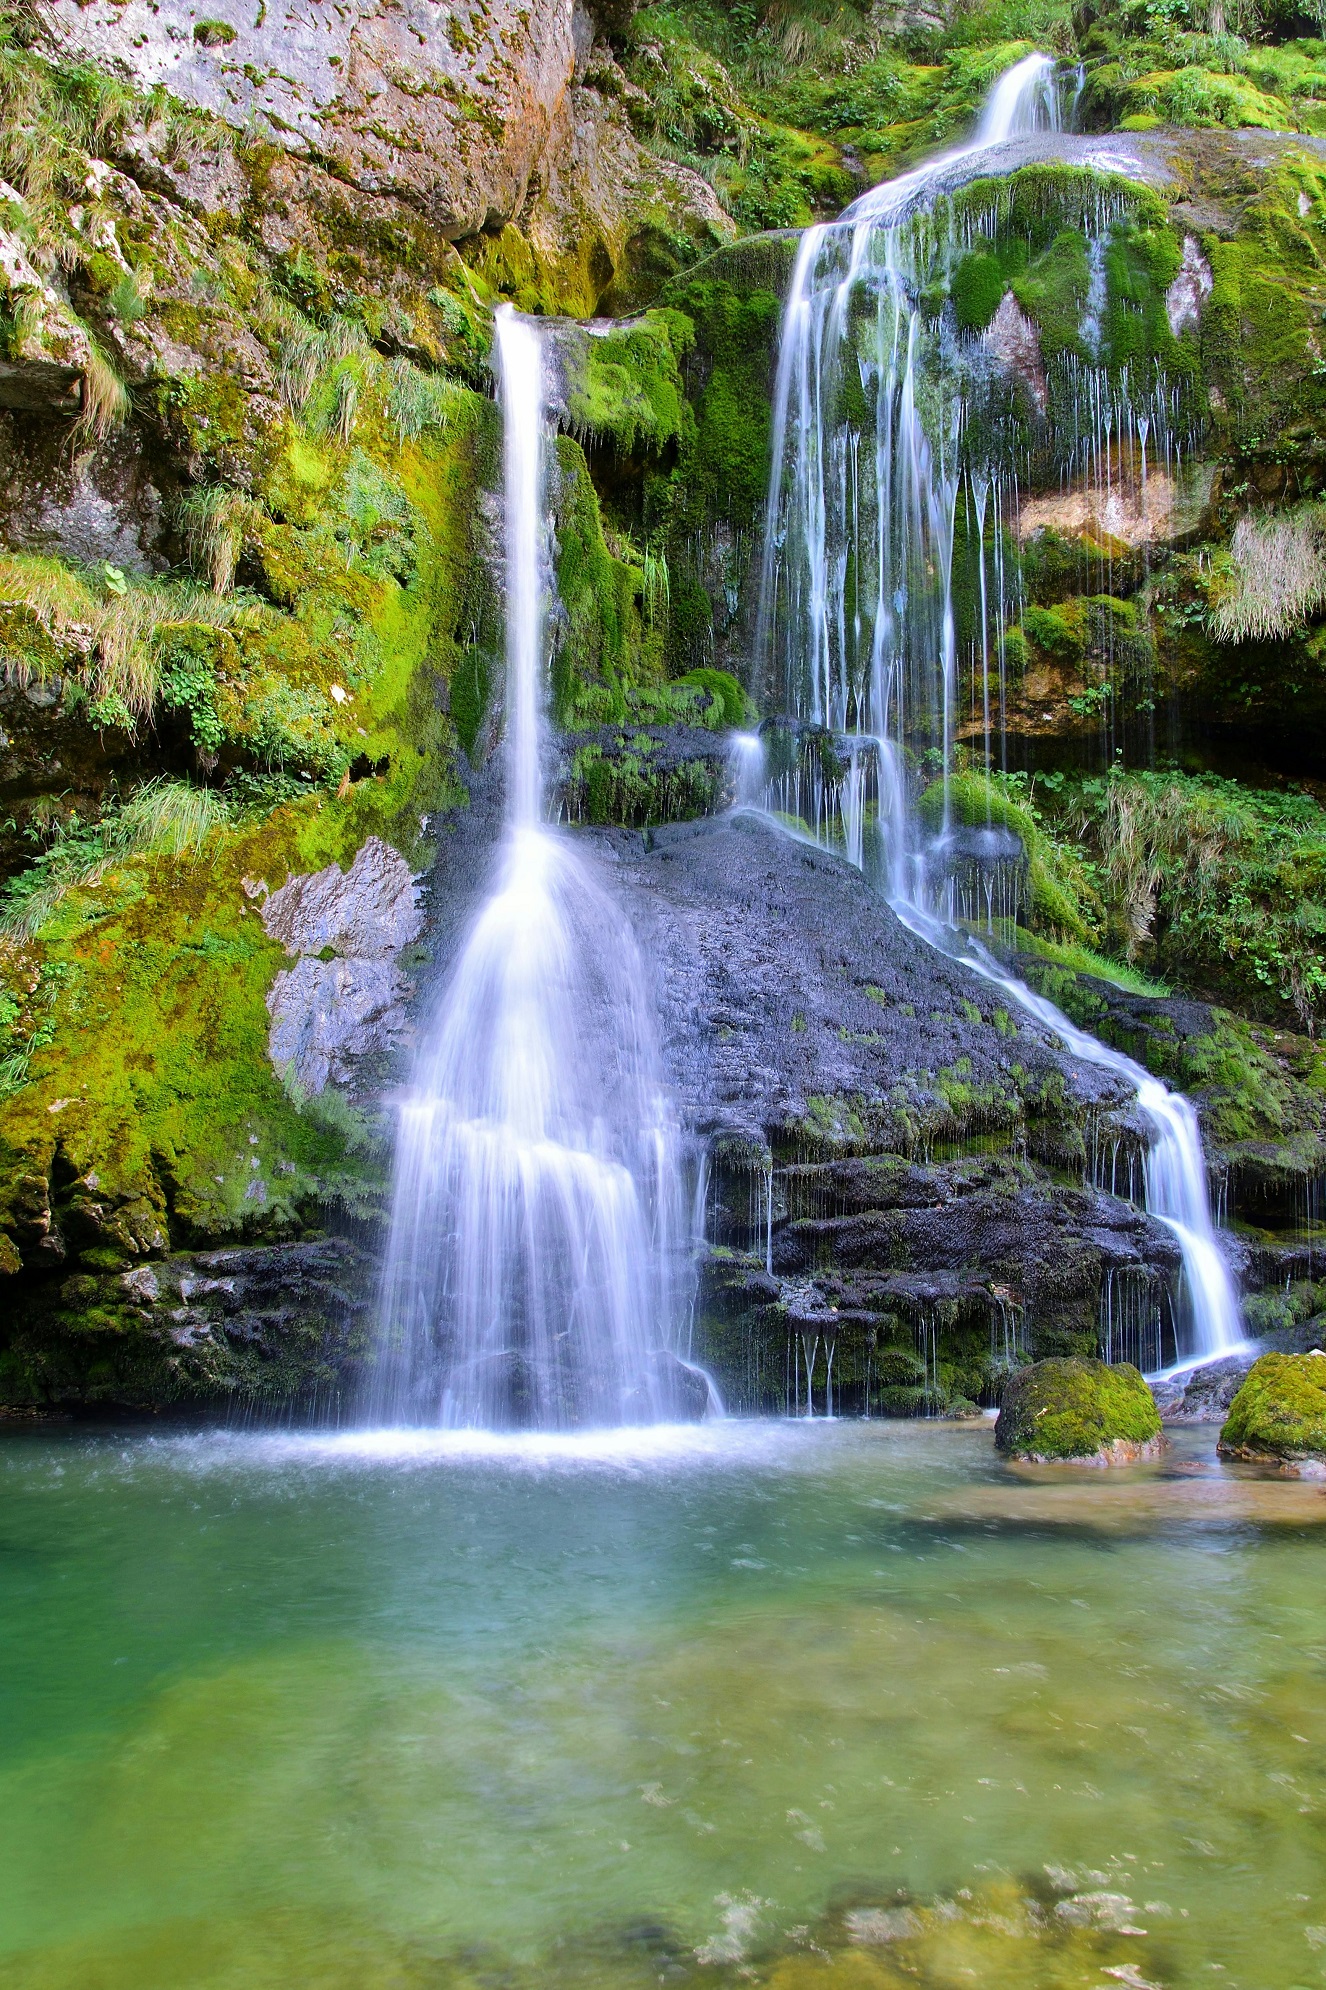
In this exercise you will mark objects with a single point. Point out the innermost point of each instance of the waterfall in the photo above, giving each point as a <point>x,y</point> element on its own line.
<point>856,634</point>
<point>538,1253</point>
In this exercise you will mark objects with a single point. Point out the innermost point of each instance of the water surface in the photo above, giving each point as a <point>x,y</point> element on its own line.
<point>754,1702</point>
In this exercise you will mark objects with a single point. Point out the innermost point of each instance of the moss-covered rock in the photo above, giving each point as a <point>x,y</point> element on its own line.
<point>1078,1411</point>
<point>1278,1416</point>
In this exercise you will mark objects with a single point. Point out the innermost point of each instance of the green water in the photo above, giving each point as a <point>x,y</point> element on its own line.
<point>758,1703</point>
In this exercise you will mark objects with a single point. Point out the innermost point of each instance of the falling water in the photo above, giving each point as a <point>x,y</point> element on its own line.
<point>536,1267</point>
<point>857,631</point>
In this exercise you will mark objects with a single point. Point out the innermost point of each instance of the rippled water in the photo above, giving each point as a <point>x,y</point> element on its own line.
<point>757,1703</point>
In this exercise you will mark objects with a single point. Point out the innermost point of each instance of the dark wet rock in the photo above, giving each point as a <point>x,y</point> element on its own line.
<point>793,999</point>
<point>281,1322</point>
<point>1078,1412</point>
<point>897,1161</point>
<point>1202,1395</point>
<point>681,1389</point>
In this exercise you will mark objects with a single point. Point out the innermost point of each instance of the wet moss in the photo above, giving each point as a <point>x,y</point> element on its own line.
<point>1279,1413</point>
<point>1074,1409</point>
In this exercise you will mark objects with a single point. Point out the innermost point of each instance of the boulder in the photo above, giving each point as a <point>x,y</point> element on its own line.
<point>1278,1416</point>
<point>1078,1412</point>
<point>344,999</point>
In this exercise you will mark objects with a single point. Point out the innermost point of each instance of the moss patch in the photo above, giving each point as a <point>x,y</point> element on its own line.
<point>1279,1412</point>
<point>1077,1410</point>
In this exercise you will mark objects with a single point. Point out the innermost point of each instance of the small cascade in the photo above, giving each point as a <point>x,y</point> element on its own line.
<point>884,418</point>
<point>539,1252</point>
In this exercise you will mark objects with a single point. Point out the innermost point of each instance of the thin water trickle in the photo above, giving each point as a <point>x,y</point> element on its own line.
<point>883,682</point>
<point>539,1256</point>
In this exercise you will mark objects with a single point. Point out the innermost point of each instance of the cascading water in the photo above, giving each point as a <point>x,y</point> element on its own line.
<point>538,1252</point>
<point>857,636</point>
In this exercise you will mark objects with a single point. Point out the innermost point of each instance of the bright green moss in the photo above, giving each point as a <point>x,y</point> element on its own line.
<point>599,647</point>
<point>977,288</point>
<point>1279,1412</point>
<point>155,1075</point>
<point>1073,1409</point>
<point>625,386</point>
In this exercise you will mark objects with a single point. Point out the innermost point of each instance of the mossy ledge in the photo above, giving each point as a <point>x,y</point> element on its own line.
<point>1078,1412</point>
<point>1278,1416</point>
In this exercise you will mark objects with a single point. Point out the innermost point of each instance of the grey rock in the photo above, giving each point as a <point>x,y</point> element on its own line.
<point>784,979</point>
<point>370,911</point>
<point>452,106</point>
<point>326,1015</point>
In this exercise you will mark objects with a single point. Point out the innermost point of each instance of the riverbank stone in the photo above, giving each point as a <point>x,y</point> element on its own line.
<point>1078,1412</point>
<point>1278,1416</point>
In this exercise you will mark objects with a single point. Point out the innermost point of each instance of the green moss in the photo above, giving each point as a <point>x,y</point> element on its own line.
<point>625,386</point>
<point>600,646</point>
<point>1061,892</point>
<point>155,1077</point>
<point>1075,1409</point>
<point>1280,1410</point>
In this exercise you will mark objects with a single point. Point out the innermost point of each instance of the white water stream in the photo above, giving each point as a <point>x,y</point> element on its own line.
<point>857,625</point>
<point>539,1245</point>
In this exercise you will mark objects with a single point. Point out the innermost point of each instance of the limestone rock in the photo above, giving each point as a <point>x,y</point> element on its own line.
<point>370,911</point>
<point>1078,1412</point>
<point>327,1013</point>
<point>1013,340</point>
<point>1278,1416</point>
<point>451,107</point>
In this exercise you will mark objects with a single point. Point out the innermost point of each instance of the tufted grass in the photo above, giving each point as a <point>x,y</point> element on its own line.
<point>163,818</point>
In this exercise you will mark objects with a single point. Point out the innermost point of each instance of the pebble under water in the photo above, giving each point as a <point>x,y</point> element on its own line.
<point>762,1703</point>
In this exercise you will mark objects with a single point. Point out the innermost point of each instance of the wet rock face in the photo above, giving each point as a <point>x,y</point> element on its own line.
<point>285,1322</point>
<point>1078,1412</point>
<point>881,1133</point>
<point>795,1003</point>
<point>345,997</point>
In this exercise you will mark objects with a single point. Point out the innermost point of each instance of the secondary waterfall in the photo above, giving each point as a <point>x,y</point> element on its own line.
<point>538,1243</point>
<point>857,630</point>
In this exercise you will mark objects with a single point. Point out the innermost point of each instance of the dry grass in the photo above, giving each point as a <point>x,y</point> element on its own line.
<point>1152,832</point>
<point>215,521</point>
<point>105,397</point>
<point>115,633</point>
<point>1279,576</point>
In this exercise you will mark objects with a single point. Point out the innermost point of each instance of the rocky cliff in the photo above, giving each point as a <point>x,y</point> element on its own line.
<point>250,635</point>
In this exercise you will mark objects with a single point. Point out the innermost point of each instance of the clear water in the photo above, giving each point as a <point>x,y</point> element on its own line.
<point>679,1706</point>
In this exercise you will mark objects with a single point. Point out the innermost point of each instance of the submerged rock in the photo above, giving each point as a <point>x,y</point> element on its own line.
<point>1278,1416</point>
<point>1080,1412</point>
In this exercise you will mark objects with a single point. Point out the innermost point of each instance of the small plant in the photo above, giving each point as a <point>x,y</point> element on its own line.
<point>162,818</point>
<point>214,522</point>
<point>105,397</point>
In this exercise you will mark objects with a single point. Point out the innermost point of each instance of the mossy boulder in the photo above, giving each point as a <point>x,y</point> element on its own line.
<point>1080,1412</point>
<point>1278,1416</point>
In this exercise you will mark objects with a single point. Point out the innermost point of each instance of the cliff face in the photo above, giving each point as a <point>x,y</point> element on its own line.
<point>250,620</point>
